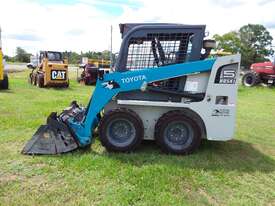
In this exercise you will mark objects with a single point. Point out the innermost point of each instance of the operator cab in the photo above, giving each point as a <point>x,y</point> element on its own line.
<point>52,56</point>
<point>152,45</point>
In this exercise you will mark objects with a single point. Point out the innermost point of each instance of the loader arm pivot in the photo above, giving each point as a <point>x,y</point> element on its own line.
<point>114,83</point>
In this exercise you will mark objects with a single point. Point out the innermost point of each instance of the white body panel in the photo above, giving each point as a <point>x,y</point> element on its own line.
<point>218,117</point>
<point>197,83</point>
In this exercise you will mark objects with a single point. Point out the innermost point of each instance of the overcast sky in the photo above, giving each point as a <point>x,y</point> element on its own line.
<point>82,25</point>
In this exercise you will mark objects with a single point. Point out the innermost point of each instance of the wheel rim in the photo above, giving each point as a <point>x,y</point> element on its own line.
<point>248,81</point>
<point>178,135</point>
<point>121,132</point>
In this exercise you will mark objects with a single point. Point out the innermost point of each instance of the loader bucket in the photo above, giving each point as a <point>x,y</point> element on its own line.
<point>53,138</point>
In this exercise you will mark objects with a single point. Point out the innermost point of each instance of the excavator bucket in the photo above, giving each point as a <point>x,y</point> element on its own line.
<point>53,138</point>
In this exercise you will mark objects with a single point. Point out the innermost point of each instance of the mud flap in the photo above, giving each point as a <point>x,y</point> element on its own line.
<point>53,138</point>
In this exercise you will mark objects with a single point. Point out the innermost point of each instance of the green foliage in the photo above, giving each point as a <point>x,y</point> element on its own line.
<point>256,43</point>
<point>229,42</point>
<point>9,59</point>
<point>22,55</point>
<point>253,41</point>
<point>75,58</point>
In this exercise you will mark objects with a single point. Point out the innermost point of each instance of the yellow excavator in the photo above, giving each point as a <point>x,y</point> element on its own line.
<point>4,80</point>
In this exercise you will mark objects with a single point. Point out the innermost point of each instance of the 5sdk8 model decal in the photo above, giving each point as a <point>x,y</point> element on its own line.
<point>226,74</point>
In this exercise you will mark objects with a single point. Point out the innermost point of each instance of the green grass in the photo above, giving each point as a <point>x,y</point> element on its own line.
<point>238,172</point>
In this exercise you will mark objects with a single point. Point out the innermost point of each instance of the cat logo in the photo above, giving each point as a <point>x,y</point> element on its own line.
<point>58,75</point>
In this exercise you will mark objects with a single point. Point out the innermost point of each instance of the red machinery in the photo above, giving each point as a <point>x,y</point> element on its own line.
<point>91,69</point>
<point>260,73</point>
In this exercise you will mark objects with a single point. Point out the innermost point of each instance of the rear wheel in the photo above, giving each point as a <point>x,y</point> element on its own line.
<point>121,130</point>
<point>177,133</point>
<point>30,78</point>
<point>78,79</point>
<point>33,78</point>
<point>4,84</point>
<point>250,79</point>
<point>67,84</point>
<point>40,80</point>
<point>88,81</point>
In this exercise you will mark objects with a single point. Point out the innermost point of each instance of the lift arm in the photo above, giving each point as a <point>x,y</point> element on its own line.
<point>112,84</point>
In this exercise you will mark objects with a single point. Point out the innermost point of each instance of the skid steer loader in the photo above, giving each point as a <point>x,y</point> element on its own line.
<point>49,69</point>
<point>4,80</point>
<point>163,88</point>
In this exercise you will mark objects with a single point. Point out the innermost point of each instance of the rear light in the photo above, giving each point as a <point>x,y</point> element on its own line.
<point>66,67</point>
<point>50,65</point>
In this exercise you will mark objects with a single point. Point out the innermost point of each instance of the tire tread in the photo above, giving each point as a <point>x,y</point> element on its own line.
<point>167,117</point>
<point>103,139</point>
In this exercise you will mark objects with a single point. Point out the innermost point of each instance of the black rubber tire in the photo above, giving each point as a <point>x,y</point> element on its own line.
<point>67,84</point>
<point>33,79</point>
<point>250,79</point>
<point>40,81</point>
<point>118,114</point>
<point>30,78</point>
<point>4,84</point>
<point>78,79</point>
<point>88,81</point>
<point>193,141</point>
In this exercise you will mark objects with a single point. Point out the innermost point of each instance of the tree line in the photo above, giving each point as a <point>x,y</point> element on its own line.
<point>73,57</point>
<point>252,41</point>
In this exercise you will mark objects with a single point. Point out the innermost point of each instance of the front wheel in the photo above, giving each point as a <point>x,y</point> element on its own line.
<point>4,84</point>
<point>250,79</point>
<point>67,84</point>
<point>33,78</point>
<point>40,81</point>
<point>177,133</point>
<point>121,130</point>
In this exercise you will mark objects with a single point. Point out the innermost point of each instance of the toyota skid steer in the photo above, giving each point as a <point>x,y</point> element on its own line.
<point>164,88</point>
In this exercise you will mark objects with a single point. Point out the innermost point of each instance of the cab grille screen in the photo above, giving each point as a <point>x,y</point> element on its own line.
<point>158,49</point>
